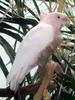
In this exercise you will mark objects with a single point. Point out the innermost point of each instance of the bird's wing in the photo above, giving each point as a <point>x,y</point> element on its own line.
<point>33,43</point>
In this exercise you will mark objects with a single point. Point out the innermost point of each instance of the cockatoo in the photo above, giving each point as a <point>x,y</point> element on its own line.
<point>38,39</point>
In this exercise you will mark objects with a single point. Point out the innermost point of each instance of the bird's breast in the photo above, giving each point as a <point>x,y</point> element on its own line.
<point>48,50</point>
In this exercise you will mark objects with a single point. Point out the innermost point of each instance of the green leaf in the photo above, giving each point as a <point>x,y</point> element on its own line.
<point>3,13</point>
<point>9,98</point>
<point>9,50</point>
<point>6,4</point>
<point>37,8</point>
<point>12,34</point>
<point>5,10</point>
<point>3,67</point>
<point>67,96</point>
<point>5,25</point>
<point>11,14</point>
<point>21,21</point>
<point>29,80</point>
<point>20,5</point>
<point>69,64</point>
<point>68,81</point>
<point>7,0</point>
<point>32,13</point>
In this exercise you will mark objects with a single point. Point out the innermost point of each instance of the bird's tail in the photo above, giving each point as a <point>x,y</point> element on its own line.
<point>13,79</point>
<point>16,76</point>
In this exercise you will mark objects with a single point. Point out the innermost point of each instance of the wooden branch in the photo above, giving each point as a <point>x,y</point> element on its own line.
<point>30,89</point>
<point>50,68</point>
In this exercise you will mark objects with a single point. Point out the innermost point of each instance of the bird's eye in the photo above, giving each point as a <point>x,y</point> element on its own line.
<point>58,17</point>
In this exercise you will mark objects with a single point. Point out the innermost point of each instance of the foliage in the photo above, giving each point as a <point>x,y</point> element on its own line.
<point>15,23</point>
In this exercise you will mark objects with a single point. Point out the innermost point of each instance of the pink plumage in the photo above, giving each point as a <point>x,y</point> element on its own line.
<point>34,44</point>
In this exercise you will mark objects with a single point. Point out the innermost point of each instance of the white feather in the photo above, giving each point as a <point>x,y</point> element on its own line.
<point>27,55</point>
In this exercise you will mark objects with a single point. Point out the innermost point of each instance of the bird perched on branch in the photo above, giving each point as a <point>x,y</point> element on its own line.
<point>39,40</point>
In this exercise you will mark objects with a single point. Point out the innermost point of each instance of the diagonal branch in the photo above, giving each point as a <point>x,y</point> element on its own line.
<point>30,89</point>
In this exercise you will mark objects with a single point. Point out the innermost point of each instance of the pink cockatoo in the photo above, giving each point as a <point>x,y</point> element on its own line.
<point>37,40</point>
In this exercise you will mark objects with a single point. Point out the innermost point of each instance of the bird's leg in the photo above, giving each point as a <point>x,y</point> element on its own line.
<point>17,94</point>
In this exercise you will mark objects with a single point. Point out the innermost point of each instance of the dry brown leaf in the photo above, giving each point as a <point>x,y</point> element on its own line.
<point>61,5</point>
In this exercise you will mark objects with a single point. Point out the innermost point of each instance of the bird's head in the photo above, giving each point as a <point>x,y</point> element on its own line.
<point>56,19</point>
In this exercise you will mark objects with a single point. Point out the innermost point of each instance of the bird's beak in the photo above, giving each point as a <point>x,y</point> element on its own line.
<point>66,21</point>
